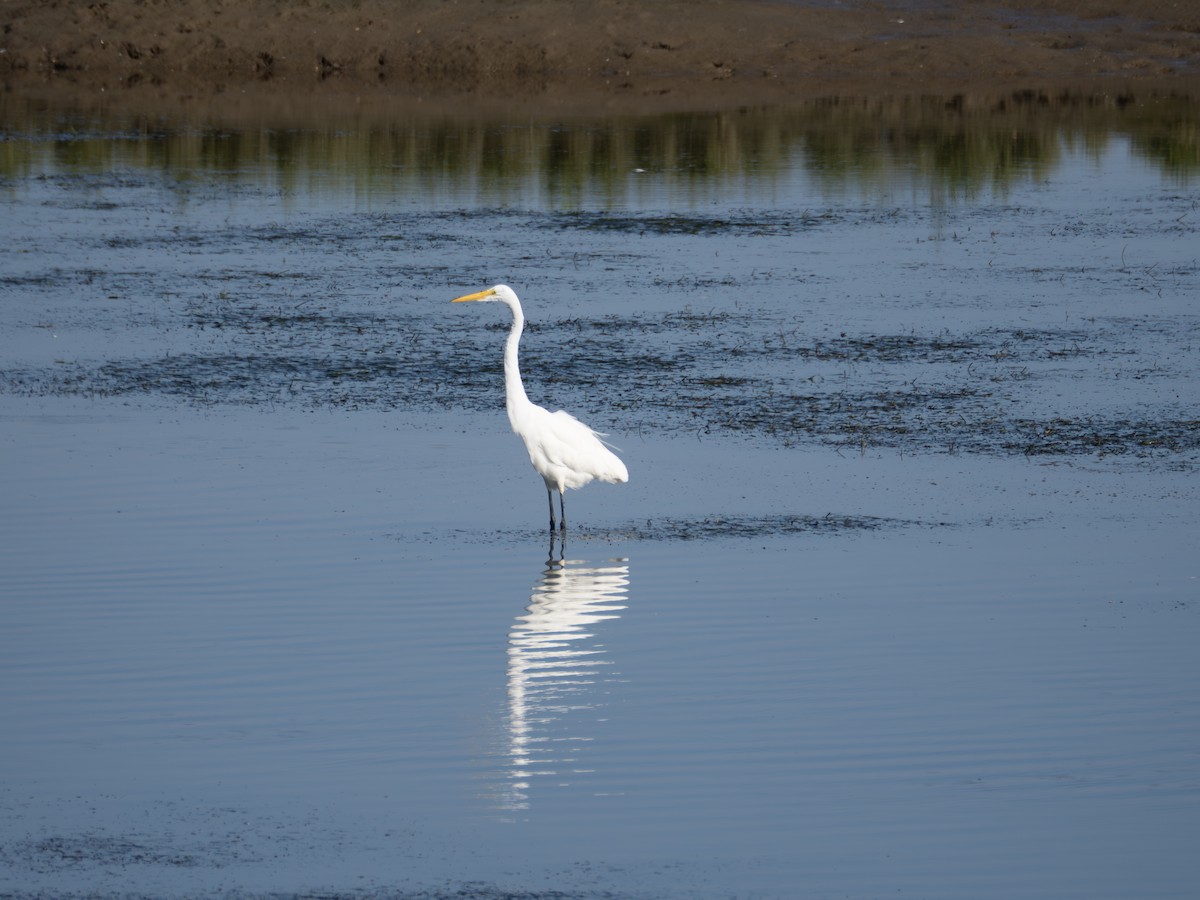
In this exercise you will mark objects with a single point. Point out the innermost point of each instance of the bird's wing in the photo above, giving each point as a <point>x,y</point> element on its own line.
<point>563,441</point>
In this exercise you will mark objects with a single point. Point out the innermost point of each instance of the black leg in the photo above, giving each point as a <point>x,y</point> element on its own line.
<point>562,518</point>
<point>550,497</point>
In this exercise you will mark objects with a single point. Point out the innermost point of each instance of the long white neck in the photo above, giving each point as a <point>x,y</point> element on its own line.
<point>514,390</point>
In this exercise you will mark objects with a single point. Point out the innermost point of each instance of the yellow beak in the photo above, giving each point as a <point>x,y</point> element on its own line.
<point>478,295</point>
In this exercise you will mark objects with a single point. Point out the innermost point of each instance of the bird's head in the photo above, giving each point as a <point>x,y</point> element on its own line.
<point>500,292</point>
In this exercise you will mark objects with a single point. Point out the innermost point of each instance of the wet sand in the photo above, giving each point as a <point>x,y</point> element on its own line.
<point>560,55</point>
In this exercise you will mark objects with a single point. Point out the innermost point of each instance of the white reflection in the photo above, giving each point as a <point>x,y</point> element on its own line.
<point>557,669</point>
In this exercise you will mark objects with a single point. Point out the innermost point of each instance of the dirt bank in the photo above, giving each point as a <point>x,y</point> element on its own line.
<point>609,53</point>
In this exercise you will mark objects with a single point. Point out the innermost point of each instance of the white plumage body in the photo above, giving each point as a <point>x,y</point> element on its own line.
<point>564,451</point>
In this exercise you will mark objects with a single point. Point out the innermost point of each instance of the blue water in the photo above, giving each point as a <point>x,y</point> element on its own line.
<point>255,640</point>
<point>237,624</point>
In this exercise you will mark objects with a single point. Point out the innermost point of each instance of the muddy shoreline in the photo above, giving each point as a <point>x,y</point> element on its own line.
<point>575,56</point>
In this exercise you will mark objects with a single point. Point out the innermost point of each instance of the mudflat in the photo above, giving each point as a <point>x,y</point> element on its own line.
<point>560,54</point>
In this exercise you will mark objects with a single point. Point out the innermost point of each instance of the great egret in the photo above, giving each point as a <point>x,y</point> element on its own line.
<point>564,451</point>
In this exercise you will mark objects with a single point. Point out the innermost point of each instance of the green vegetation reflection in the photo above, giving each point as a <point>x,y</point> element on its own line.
<point>944,148</point>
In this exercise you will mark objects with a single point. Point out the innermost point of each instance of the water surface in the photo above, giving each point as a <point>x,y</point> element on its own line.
<point>901,595</point>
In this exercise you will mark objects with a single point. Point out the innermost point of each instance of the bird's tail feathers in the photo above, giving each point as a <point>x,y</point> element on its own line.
<point>600,436</point>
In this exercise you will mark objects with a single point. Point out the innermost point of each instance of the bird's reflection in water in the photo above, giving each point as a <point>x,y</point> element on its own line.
<point>557,672</point>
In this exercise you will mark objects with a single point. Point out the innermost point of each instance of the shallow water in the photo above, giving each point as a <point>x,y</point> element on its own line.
<point>902,593</point>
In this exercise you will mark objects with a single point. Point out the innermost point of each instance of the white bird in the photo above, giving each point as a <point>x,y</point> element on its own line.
<point>564,451</point>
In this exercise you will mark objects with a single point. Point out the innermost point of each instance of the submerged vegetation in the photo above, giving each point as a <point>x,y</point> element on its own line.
<point>722,373</point>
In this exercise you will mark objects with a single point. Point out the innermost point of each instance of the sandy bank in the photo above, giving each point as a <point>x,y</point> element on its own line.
<point>599,54</point>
